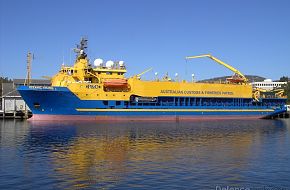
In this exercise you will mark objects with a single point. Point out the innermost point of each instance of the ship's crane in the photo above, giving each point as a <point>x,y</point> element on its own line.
<point>277,93</point>
<point>238,77</point>
<point>139,75</point>
<point>257,93</point>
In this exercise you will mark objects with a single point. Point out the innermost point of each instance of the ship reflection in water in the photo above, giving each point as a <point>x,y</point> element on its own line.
<point>191,155</point>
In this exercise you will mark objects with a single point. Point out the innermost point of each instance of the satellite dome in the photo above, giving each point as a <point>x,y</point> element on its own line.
<point>98,62</point>
<point>109,64</point>
<point>121,63</point>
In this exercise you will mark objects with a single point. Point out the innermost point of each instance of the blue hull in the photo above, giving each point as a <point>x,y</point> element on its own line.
<point>61,101</point>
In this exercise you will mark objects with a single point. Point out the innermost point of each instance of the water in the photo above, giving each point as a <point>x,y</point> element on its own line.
<point>139,155</point>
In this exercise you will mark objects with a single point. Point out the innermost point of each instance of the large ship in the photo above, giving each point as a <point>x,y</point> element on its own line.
<point>101,90</point>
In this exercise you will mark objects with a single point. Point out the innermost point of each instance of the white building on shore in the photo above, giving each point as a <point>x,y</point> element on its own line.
<point>268,84</point>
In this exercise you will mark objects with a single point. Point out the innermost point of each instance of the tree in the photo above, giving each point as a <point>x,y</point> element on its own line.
<point>284,79</point>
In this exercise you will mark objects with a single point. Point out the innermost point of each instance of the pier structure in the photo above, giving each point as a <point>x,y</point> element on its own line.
<point>12,105</point>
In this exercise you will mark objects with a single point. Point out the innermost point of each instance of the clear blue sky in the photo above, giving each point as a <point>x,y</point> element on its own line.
<point>251,35</point>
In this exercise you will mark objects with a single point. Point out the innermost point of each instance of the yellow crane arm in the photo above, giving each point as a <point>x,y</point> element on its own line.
<point>220,62</point>
<point>144,72</point>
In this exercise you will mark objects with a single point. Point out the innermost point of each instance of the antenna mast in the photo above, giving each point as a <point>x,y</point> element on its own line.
<point>81,48</point>
<point>28,76</point>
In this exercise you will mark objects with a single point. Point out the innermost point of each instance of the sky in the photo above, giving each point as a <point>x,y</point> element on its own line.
<point>250,35</point>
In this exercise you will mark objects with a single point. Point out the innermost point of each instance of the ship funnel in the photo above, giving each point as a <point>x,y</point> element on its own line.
<point>98,62</point>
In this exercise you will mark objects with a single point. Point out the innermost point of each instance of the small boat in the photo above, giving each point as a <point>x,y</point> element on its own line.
<point>115,83</point>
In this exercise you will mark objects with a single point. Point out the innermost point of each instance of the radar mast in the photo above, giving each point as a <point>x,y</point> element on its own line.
<point>81,48</point>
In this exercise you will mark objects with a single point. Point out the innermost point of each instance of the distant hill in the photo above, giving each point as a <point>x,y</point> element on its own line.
<point>251,78</point>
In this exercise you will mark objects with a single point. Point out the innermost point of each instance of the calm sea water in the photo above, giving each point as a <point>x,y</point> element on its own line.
<point>140,155</point>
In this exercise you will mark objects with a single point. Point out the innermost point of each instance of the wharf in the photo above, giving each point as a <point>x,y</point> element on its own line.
<point>15,114</point>
<point>12,106</point>
<point>279,115</point>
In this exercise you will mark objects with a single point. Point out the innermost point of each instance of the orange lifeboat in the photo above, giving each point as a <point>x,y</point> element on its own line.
<point>115,83</point>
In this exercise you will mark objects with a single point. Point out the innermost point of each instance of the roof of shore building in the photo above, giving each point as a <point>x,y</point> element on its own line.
<point>9,89</point>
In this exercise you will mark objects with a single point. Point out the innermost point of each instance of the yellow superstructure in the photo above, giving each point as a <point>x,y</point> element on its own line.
<point>108,82</point>
<point>88,84</point>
